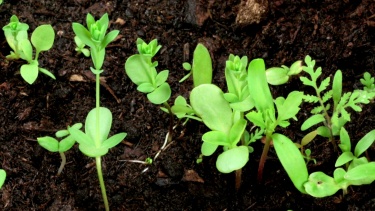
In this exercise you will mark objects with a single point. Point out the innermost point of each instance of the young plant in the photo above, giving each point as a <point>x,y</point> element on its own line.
<point>42,39</point>
<point>201,67</point>
<point>265,117</point>
<point>51,144</point>
<point>81,47</point>
<point>3,175</point>
<point>94,142</point>
<point>357,171</point>
<point>341,102</point>
<point>281,75</point>
<point>368,82</point>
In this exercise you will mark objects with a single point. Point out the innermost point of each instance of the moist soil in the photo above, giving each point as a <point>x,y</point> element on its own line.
<point>337,34</point>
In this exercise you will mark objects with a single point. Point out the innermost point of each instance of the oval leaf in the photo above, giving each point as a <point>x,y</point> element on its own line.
<point>43,38</point>
<point>29,72</point>
<point>232,159</point>
<point>3,175</point>
<point>137,69</point>
<point>66,143</point>
<point>160,94</point>
<point>208,149</point>
<point>216,138</point>
<point>202,66</point>
<point>49,143</point>
<point>104,124</point>
<point>321,185</point>
<point>311,121</point>
<point>364,143</point>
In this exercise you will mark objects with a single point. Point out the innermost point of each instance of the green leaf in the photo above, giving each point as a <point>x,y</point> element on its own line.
<point>161,77</point>
<point>49,143</point>
<point>83,34</point>
<point>46,72</point>
<point>109,38</point>
<point>43,38</point>
<point>232,159</point>
<point>137,68</point>
<point>208,149</point>
<point>216,138</point>
<point>202,66</point>
<point>145,87</point>
<point>2,177</point>
<point>291,159</point>
<point>311,121</point>
<point>61,133</point>
<point>26,50</point>
<point>345,144</point>
<point>321,185</point>
<point>361,175</point>
<point>236,131</point>
<point>230,97</point>
<point>258,86</point>
<point>324,84</point>
<point>81,137</point>
<point>309,137</point>
<point>113,140</point>
<point>29,72</point>
<point>290,106</point>
<point>364,143</point>
<point>160,94</point>
<point>92,151</point>
<point>244,105</point>
<point>344,158</point>
<point>337,87</point>
<point>277,75</point>
<point>66,143</point>
<point>209,103</point>
<point>186,66</point>
<point>295,68</point>
<point>103,122</point>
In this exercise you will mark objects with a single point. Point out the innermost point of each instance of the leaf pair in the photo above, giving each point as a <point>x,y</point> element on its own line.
<point>14,33</point>
<point>94,143</point>
<point>281,75</point>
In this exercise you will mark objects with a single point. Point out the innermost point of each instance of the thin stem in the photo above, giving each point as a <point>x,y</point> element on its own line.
<point>263,157</point>
<point>170,130</point>
<point>238,173</point>
<point>101,181</point>
<point>63,162</point>
<point>97,106</point>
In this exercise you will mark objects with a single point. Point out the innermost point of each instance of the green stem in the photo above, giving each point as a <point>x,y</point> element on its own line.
<point>97,106</point>
<point>63,162</point>
<point>101,181</point>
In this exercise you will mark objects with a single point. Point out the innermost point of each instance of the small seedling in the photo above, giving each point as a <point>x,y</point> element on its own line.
<point>358,170</point>
<point>94,142</point>
<point>42,39</point>
<point>368,82</point>
<point>81,47</point>
<point>51,144</point>
<point>341,102</point>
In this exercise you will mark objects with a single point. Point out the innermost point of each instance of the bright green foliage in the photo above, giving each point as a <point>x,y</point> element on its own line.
<point>3,175</point>
<point>90,143</point>
<point>183,110</point>
<point>53,145</point>
<point>41,39</point>
<point>209,103</point>
<point>359,171</point>
<point>142,71</point>
<point>281,75</point>
<point>368,82</point>
<point>96,38</point>
<point>201,67</point>
<point>81,47</point>
<point>341,102</point>
<point>236,77</point>
<point>15,32</point>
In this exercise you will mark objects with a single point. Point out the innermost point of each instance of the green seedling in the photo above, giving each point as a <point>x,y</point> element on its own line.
<point>201,69</point>
<point>341,102</point>
<point>281,75</point>
<point>94,142</point>
<point>41,39</point>
<point>81,47</point>
<point>3,175</point>
<point>357,171</point>
<point>265,117</point>
<point>368,82</point>
<point>15,32</point>
<point>51,144</point>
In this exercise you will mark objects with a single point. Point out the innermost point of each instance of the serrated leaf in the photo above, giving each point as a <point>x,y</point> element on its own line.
<point>327,96</point>
<point>324,84</point>
<point>290,106</point>
<point>306,81</point>
<point>256,117</point>
<point>310,98</point>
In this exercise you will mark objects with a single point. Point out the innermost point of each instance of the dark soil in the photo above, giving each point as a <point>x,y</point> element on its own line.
<point>338,34</point>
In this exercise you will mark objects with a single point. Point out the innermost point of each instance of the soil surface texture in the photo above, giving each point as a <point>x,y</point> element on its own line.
<point>337,34</point>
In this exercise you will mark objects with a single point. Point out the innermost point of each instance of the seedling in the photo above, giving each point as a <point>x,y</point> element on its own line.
<point>358,170</point>
<point>42,39</point>
<point>53,145</point>
<point>368,82</point>
<point>265,117</point>
<point>94,142</point>
<point>201,69</point>
<point>341,102</point>
<point>3,175</point>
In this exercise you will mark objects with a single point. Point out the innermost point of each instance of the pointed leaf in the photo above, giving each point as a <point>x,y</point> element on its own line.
<point>344,158</point>
<point>361,175</point>
<point>113,140</point>
<point>313,120</point>
<point>337,87</point>
<point>66,143</point>
<point>364,143</point>
<point>109,38</point>
<point>29,72</point>
<point>161,77</point>
<point>46,72</point>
